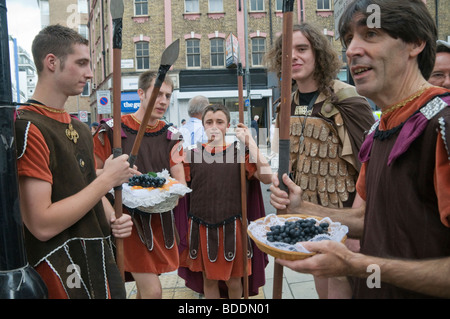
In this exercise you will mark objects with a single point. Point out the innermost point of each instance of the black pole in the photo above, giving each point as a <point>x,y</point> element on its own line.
<point>18,280</point>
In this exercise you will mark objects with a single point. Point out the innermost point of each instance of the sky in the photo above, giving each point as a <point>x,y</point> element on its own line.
<point>24,21</point>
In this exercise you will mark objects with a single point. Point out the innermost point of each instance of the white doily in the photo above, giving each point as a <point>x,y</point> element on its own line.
<point>146,197</point>
<point>259,229</point>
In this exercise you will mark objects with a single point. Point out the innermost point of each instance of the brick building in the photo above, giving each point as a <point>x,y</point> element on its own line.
<point>72,14</point>
<point>203,27</point>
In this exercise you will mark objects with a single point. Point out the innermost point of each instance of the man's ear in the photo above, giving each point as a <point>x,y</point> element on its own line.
<point>417,48</point>
<point>141,93</point>
<point>50,62</point>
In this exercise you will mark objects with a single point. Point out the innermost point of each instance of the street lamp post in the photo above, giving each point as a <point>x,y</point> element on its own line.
<point>18,280</point>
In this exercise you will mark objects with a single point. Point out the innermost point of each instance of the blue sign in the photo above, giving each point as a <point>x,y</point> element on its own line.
<point>104,100</point>
<point>130,102</point>
<point>247,102</point>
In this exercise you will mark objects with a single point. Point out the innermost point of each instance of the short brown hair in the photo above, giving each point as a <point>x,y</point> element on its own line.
<point>147,78</point>
<point>57,40</point>
<point>326,58</point>
<point>217,107</point>
<point>408,20</point>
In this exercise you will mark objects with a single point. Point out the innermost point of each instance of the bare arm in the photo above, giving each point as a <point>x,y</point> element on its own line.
<point>430,277</point>
<point>263,169</point>
<point>177,172</point>
<point>45,219</point>
<point>353,217</point>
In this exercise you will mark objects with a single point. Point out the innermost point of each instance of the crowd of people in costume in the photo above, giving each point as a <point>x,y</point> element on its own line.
<point>387,180</point>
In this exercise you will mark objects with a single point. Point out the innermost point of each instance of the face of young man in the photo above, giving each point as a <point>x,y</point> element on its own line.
<point>162,101</point>
<point>303,60</point>
<point>441,72</point>
<point>216,125</point>
<point>72,74</point>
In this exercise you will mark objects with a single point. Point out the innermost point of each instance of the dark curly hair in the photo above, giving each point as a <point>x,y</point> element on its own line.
<point>408,20</point>
<point>327,60</point>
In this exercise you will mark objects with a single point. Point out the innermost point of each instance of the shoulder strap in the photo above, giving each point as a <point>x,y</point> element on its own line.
<point>328,107</point>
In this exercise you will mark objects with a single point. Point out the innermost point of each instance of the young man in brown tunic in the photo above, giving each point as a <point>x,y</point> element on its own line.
<point>401,211</point>
<point>151,249</point>
<point>68,228</point>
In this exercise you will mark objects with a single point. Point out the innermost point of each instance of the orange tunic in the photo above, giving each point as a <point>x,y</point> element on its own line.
<point>442,171</point>
<point>137,257</point>
<point>220,269</point>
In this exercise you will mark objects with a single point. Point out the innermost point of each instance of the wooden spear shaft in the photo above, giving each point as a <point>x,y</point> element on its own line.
<point>168,57</point>
<point>243,186</point>
<point>285,113</point>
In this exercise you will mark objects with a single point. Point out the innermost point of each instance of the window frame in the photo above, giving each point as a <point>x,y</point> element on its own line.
<point>260,54</point>
<point>323,3</point>
<point>143,4</point>
<point>215,56</point>
<point>145,58</point>
<point>192,2</point>
<point>215,11</point>
<point>279,5</point>
<point>257,3</point>
<point>193,55</point>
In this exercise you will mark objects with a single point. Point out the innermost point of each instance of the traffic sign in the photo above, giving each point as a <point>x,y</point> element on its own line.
<point>83,116</point>
<point>104,102</point>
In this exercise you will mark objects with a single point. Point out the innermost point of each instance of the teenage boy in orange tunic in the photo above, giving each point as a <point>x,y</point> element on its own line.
<point>215,202</point>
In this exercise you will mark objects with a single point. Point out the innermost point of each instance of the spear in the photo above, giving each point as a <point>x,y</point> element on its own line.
<point>117,9</point>
<point>285,107</point>
<point>243,184</point>
<point>168,58</point>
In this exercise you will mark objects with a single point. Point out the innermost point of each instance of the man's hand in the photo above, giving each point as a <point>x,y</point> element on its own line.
<point>331,259</point>
<point>121,227</point>
<point>117,170</point>
<point>282,200</point>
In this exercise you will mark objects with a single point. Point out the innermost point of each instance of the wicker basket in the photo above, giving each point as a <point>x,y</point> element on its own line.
<point>154,200</point>
<point>281,253</point>
<point>162,207</point>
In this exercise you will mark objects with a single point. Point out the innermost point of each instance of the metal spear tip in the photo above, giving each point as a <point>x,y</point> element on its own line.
<point>117,9</point>
<point>170,54</point>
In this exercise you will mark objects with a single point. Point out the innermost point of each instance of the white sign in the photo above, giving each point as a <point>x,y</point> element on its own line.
<point>83,116</point>
<point>127,64</point>
<point>104,102</point>
<point>232,49</point>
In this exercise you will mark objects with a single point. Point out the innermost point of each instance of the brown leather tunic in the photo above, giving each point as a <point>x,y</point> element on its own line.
<point>87,243</point>
<point>402,217</point>
<point>216,198</point>
<point>152,157</point>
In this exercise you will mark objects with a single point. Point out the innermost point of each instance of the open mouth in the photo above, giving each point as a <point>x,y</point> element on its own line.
<point>359,71</point>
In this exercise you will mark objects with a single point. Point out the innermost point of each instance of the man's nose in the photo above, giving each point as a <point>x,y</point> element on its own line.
<point>446,83</point>
<point>354,48</point>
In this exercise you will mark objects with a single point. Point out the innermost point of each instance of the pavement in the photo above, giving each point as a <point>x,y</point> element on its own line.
<point>295,285</point>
